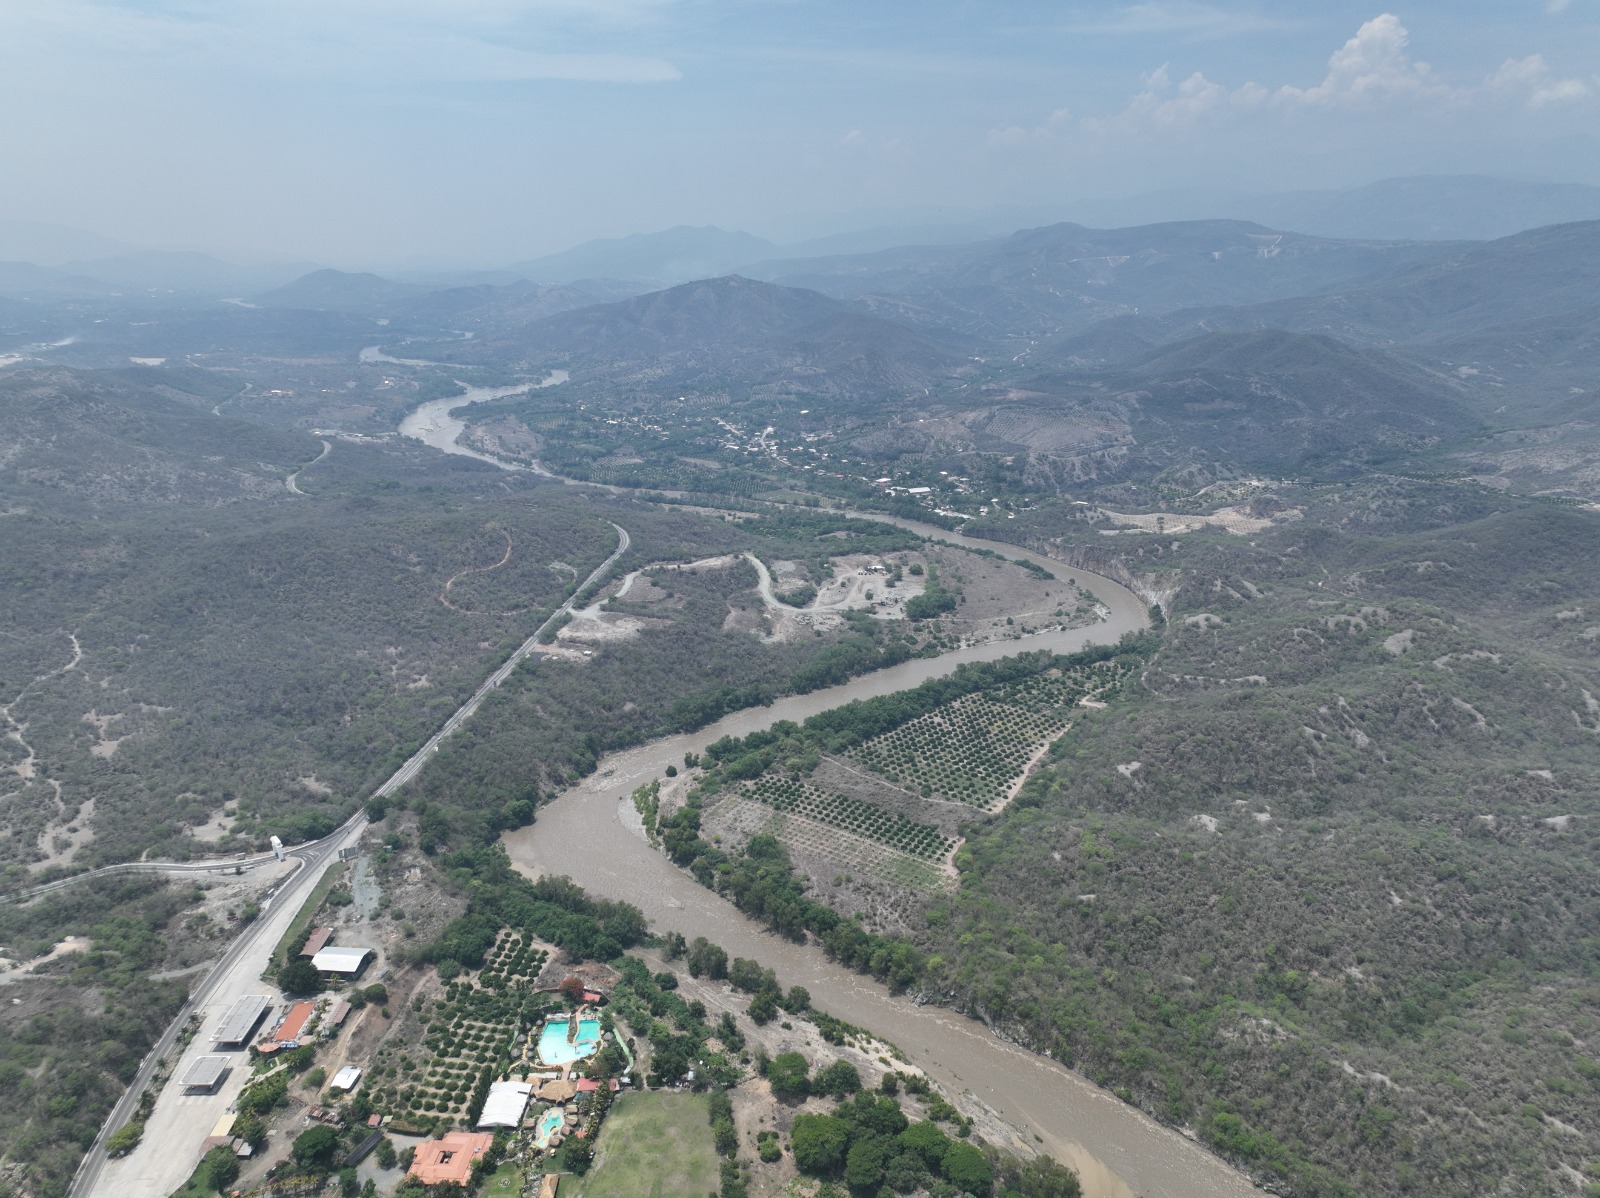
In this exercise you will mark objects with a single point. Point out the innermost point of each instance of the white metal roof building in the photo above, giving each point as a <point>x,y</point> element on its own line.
<point>346,1079</point>
<point>205,1074</point>
<point>505,1104</point>
<point>347,961</point>
<point>242,1019</point>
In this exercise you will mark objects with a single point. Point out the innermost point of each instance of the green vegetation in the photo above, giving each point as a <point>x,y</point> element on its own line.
<point>759,878</point>
<point>217,1170</point>
<point>863,819</point>
<point>1336,918</point>
<point>677,1029</point>
<point>935,600</point>
<point>974,749</point>
<point>72,1034</point>
<point>652,1144</point>
<point>125,1139</point>
<point>868,1142</point>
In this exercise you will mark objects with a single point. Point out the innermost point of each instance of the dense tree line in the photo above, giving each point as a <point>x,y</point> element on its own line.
<point>554,909</point>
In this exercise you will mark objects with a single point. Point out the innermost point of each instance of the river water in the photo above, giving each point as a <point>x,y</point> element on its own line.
<point>591,833</point>
<point>435,424</point>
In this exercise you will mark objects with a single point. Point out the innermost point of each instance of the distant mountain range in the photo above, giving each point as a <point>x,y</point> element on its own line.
<point>1419,208</point>
<point>670,256</point>
<point>1062,277</point>
<point>1423,208</point>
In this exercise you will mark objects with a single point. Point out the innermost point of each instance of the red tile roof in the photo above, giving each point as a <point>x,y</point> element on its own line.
<point>294,1022</point>
<point>450,1158</point>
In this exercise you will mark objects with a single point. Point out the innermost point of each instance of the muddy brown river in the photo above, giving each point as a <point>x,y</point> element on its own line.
<point>591,833</point>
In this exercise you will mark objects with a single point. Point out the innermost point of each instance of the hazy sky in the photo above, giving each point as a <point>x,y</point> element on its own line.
<point>479,131</point>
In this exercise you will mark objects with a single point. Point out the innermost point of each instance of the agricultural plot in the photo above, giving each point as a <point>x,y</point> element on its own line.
<point>738,818</point>
<point>471,1032</point>
<point>863,819</point>
<point>513,959</point>
<point>974,749</point>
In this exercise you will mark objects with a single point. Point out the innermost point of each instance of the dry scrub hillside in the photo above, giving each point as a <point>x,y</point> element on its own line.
<point>1322,886</point>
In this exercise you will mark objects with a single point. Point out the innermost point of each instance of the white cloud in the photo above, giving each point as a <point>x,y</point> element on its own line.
<point>1556,6</point>
<point>1054,125</point>
<point>1531,80</point>
<point>1372,68</point>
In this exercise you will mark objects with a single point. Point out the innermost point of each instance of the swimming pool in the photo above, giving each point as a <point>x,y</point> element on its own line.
<point>553,1046</point>
<point>548,1126</point>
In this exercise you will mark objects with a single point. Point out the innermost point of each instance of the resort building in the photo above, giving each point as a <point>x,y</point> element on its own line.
<point>450,1159</point>
<point>505,1105</point>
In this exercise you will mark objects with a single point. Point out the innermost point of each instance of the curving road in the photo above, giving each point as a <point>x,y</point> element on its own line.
<point>293,481</point>
<point>217,866</point>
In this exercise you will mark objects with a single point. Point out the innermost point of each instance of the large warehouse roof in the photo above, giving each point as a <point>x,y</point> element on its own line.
<point>242,1019</point>
<point>341,959</point>
<point>505,1104</point>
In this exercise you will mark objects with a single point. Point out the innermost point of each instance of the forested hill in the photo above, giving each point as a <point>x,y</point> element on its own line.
<point>1322,885</point>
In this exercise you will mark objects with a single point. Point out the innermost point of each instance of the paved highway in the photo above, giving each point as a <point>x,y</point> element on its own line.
<point>174,1130</point>
<point>167,1154</point>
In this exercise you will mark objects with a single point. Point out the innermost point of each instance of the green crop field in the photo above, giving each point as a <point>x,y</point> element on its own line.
<point>974,749</point>
<point>471,1029</point>
<point>865,820</point>
<point>654,1145</point>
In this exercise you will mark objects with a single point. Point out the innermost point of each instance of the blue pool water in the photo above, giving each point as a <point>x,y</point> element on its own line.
<point>553,1046</point>
<point>548,1126</point>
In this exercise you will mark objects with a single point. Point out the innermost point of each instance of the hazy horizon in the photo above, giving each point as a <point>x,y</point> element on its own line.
<point>474,134</point>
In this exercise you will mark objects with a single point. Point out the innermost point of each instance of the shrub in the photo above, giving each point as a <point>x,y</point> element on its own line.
<point>819,1143</point>
<point>1039,1178</point>
<point>968,1168</point>
<point>763,1009</point>
<point>863,1167</point>
<point>927,1141</point>
<point>314,1149</point>
<point>790,1076</point>
<point>125,1139</point>
<point>300,976</point>
<point>837,1080</point>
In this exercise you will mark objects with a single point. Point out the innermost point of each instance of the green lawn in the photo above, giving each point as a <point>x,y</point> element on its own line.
<point>504,1182</point>
<point>652,1146</point>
